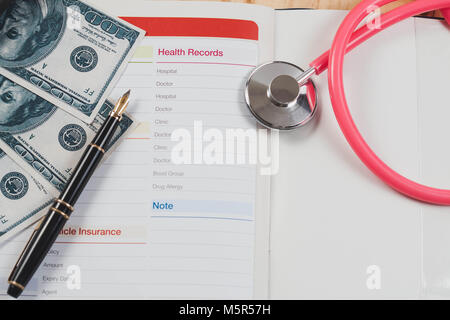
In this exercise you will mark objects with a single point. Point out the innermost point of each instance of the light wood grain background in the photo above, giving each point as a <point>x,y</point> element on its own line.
<point>319,4</point>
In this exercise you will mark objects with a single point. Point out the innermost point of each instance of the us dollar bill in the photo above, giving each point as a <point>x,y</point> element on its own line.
<point>45,140</point>
<point>23,199</point>
<point>66,51</point>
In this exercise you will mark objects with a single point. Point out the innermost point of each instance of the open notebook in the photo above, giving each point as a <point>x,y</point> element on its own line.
<point>148,228</point>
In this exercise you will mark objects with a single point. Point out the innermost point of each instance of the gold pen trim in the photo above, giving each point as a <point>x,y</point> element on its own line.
<point>116,115</point>
<point>68,206</point>
<point>15,284</point>
<point>97,147</point>
<point>121,106</point>
<point>60,212</point>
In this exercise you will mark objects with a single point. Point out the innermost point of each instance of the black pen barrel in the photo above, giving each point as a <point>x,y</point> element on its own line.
<point>46,233</point>
<point>89,162</point>
<point>35,251</point>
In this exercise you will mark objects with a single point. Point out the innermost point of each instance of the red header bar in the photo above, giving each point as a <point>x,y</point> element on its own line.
<point>196,27</point>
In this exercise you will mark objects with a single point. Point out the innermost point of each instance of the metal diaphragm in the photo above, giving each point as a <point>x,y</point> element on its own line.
<point>275,98</point>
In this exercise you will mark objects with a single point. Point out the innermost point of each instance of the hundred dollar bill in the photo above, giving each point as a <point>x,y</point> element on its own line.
<point>23,199</point>
<point>65,51</point>
<point>45,140</point>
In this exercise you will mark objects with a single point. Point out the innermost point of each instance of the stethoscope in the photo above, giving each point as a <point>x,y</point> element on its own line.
<point>282,96</point>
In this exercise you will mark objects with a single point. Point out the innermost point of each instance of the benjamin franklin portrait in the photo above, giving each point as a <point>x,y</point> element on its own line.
<point>29,30</point>
<point>21,109</point>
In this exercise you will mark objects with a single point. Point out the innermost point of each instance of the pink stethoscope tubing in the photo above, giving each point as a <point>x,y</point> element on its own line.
<point>345,40</point>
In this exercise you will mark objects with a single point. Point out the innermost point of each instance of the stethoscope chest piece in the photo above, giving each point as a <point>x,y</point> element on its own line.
<point>275,98</point>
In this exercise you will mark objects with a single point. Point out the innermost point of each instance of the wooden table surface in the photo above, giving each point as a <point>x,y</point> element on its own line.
<point>319,4</point>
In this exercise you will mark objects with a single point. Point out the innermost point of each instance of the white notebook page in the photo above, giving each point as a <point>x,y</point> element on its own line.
<point>345,233</point>
<point>433,66</point>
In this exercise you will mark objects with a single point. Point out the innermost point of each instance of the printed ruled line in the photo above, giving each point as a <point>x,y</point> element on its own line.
<point>202,88</point>
<point>140,284</point>
<point>200,217</point>
<point>183,165</point>
<point>124,178</point>
<point>219,63</point>
<point>190,100</point>
<point>97,256</point>
<point>182,126</point>
<point>194,75</point>
<point>175,87</point>
<point>205,191</point>
<point>198,244</point>
<point>172,178</point>
<point>193,112</point>
<point>169,152</point>
<point>199,258</point>
<point>113,189</point>
<point>85,242</point>
<point>102,297</point>
<point>124,164</point>
<point>110,202</point>
<point>174,75</point>
<point>201,271</point>
<point>79,216</point>
<point>105,270</point>
<point>147,296</point>
<point>205,178</point>
<point>201,230</point>
<point>134,151</point>
<point>159,270</point>
<point>22,295</point>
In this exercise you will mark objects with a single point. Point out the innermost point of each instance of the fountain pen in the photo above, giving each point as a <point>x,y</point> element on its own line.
<point>50,226</point>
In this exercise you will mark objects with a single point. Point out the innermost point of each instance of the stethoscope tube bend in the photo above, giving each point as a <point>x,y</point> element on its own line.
<point>340,106</point>
<point>276,102</point>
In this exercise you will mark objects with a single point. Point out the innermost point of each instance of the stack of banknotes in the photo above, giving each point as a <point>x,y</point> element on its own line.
<point>59,60</point>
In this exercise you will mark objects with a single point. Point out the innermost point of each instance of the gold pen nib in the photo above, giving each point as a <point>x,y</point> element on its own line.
<point>121,105</point>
